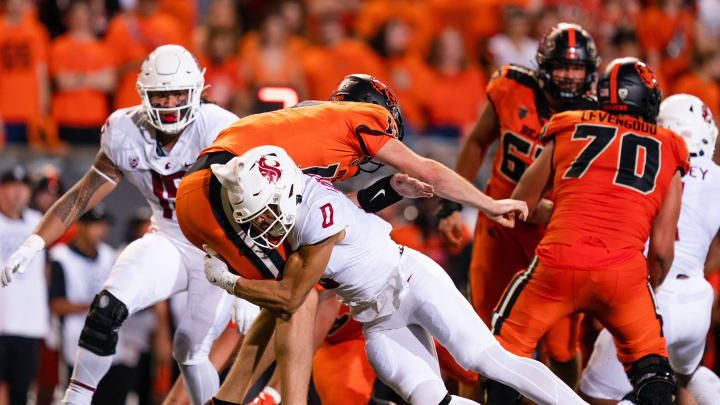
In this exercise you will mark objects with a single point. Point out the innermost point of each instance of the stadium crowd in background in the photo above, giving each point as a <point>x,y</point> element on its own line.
<point>66,64</point>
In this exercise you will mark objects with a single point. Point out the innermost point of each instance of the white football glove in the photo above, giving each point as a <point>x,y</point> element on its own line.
<point>243,314</point>
<point>18,261</point>
<point>217,273</point>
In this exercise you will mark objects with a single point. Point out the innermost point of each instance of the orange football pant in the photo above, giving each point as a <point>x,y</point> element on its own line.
<point>620,297</point>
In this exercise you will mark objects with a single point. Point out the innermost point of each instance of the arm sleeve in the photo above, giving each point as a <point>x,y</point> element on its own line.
<point>681,154</point>
<point>56,288</point>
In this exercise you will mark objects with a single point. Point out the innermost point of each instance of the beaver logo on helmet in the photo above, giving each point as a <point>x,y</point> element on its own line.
<point>646,75</point>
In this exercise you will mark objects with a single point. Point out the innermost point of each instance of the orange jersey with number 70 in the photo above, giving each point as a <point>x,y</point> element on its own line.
<point>611,174</point>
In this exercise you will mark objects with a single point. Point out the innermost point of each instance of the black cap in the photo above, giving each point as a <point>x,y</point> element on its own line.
<point>15,173</point>
<point>98,213</point>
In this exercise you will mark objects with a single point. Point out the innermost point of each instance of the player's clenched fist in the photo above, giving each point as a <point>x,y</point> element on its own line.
<point>18,261</point>
<point>216,271</point>
<point>504,212</point>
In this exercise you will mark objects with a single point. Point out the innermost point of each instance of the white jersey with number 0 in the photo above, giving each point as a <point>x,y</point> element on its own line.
<point>363,267</point>
<point>129,141</point>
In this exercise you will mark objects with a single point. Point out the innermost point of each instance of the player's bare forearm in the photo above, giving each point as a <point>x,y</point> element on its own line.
<point>472,153</point>
<point>62,307</point>
<point>301,272</point>
<point>97,183</point>
<point>534,182</point>
<point>712,260</point>
<point>662,235</point>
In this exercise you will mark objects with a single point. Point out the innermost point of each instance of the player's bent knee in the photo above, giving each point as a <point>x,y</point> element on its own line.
<point>431,392</point>
<point>653,380</point>
<point>186,351</point>
<point>100,333</point>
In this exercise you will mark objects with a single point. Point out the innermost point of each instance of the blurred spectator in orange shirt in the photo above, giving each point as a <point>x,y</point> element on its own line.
<point>407,72</point>
<point>701,80</point>
<point>513,45</point>
<point>131,36</point>
<point>222,64</point>
<point>24,91</point>
<point>185,12</point>
<point>457,89</point>
<point>375,14</point>
<point>222,14</point>
<point>82,72</point>
<point>271,59</point>
<point>336,56</point>
<point>666,33</point>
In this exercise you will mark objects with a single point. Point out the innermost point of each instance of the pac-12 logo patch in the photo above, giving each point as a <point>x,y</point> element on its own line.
<point>269,169</point>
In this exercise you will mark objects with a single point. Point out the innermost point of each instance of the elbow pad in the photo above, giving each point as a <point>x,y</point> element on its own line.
<point>378,195</point>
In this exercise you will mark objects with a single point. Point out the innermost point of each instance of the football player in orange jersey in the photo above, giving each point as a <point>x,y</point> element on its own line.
<point>521,102</point>
<point>615,177</point>
<point>332,140</point>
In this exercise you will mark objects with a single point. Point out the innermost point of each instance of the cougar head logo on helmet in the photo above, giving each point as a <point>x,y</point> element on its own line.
<point>269,169</point>
<point>567,44</point>
<point>629,86</point>
<point>264,188</point>
<point>690,118</point>
<point>171,68</point>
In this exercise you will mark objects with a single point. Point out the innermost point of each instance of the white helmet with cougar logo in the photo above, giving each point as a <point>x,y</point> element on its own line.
<point>264,187</point>
<point>171,68</point>
<point>690,118</point>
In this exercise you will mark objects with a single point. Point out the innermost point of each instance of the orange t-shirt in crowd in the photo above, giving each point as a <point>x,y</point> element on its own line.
<point>410,77</point>
<point>224,80</point>
<point>185,12</point>
<point>611,174</point>
<point>23,50</point>
<point>456,99</point>
<point>325,68</point>
<point>375,13</point>
<point>672,36</point>
<point>86,107</point>
<point>131,39</point>
<point>707,91</point>
<point>285,71</point>
<point>338,133</point>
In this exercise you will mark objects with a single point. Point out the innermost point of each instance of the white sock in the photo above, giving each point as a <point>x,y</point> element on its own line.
<point>704,386</point>
<point>89,369</point>
<point>201,381</point>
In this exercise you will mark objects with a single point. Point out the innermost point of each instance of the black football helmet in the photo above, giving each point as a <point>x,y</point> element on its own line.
<point>367,89</point>
<point>564,44</point>
<point>629,86</point>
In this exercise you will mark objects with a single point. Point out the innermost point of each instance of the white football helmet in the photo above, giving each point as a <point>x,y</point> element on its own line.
<point>264,187</point>
<point>171,68</point>
<point>690,118</point>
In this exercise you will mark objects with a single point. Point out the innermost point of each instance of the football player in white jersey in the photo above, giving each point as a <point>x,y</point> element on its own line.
<point>401,296</point>
<point>684,298</point>
<point>152,145</point>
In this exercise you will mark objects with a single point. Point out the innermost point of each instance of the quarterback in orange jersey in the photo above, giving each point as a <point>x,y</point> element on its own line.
<point>615,177</point>
<point>521,102</point>
<point>331,140</point>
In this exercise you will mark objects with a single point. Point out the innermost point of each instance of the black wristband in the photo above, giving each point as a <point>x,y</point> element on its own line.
<point>447,207</point>
<point>378,196</point>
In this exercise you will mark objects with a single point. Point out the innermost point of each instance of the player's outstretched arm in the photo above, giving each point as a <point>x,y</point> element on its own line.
<point>536,179</point>
<point>662,235</point>
<point>448,184</point>
<point>97,183</point>
<point>283,297</point>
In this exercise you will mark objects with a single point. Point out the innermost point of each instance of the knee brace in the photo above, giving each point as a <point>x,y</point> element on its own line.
<point>653,380</point>
<point>106,315</point>
<point>497,393</point>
